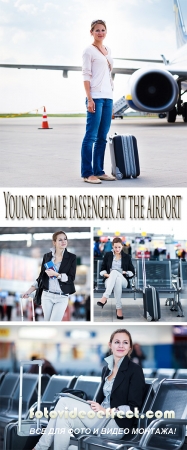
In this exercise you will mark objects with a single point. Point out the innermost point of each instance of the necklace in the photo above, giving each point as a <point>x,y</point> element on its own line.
<point>109,66</point>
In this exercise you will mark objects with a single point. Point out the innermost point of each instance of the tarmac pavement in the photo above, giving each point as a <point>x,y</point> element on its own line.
<point>51,158</point>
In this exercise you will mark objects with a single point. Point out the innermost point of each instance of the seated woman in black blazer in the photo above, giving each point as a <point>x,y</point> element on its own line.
<point>121,391</point>
<point>116,268</point>
<point>57,284</point>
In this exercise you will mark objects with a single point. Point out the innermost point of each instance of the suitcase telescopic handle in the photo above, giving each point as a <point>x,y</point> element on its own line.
<point>39,363</point>
<point>143,272</point>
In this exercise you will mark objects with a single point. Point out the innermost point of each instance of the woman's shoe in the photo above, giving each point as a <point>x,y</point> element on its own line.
<point>119,317</point>
<point>93,180</point>
<point>106,177</point>
<point>101,304</point>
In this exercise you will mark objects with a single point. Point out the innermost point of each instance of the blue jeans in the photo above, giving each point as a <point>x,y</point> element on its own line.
<point>97,127</point>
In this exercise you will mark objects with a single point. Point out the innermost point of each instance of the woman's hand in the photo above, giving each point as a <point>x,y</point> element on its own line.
<point>26,295</point>
<point>91,106</point>
<point>51,273</point>
<point>106,275</point>
<point>123,272</point>
<point>96,406</point>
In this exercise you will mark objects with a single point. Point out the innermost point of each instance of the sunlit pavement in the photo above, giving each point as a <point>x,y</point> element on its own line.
<point>51,158</point>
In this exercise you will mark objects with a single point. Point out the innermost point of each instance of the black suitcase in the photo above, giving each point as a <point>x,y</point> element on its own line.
<point>12,441</point>
<point>17,435</point>
<point>151,300</point>
<point>124,156</point>
<point>151,303</point>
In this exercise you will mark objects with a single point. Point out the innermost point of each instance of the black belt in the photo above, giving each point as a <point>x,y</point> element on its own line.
<point>57,293</point>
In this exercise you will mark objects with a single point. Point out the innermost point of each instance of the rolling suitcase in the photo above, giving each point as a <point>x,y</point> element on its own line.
<point>151,300</point>
<point>124,156</point>
<point>19,435</point>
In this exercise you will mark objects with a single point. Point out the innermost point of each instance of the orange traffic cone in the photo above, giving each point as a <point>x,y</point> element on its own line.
<point>45,125</point>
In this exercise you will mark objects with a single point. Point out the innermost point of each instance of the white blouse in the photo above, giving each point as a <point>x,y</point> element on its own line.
<point>95,69</point>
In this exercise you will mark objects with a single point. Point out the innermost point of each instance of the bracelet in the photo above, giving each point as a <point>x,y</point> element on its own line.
<point>90,100</point>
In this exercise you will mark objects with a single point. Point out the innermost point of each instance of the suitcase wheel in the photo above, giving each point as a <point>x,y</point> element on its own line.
<point>149,318</point>
<point>134,177</point>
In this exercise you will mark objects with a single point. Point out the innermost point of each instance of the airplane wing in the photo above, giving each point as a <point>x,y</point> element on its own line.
<point>64,69</point>
<point>182,73</point>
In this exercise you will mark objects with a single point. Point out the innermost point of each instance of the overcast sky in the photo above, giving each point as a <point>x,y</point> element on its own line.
<point>57,31</point>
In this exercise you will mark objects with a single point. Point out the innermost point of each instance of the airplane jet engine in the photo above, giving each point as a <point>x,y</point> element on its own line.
<point>152,90</point>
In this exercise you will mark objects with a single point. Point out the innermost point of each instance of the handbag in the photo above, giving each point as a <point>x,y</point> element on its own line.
<point>38,293</point>
<point>77,392</point>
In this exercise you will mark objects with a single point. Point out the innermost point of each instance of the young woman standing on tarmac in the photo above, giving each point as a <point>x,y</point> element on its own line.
<point>97,66</point>
<point>59,283</point>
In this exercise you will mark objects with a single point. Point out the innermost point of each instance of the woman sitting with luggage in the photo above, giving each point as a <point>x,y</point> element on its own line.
<point>57,283</point>
<point>116,269</point>
<point>121,391</point>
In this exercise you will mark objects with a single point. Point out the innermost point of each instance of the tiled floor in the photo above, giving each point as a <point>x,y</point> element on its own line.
<point>133,311</point>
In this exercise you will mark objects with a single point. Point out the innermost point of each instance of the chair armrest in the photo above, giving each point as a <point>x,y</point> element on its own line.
<point>164,428</point>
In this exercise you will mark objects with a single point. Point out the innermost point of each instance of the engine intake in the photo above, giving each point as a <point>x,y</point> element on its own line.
<point>152,90</point>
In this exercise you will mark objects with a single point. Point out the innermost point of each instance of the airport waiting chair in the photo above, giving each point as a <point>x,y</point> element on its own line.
<point>158,274</point>
<point>174,275</point>
<point>182,285</point>
<point>134,262</point>
<point>81,440</point>
<point>7,389</point>
<point>2,375</point>
<point>181,374</point>
<point>174,267</point>
<point>129,292</point>
<point>171,395</point>
<point>95,270</point>
<point>56,385</point>
<point>30,382</point>
<point>150,390</point>
<point>164,373</point>
<point>89,385</point>
<point>148,373</point>
<point>183,279</point>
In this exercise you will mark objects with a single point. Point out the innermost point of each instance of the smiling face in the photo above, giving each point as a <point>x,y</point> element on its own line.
<point>120,345</point>
<point>61,242</point>
<point>98,32</point>
<point>117,247</point>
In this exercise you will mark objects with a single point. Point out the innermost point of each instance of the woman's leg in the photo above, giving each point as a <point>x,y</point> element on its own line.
<point>92,127</point>
<point>120,283</point>
<point>74,416</point>
<point>110,282</point>
<point>60,303</point>
<point>47,305</point>
<point>100,144</point>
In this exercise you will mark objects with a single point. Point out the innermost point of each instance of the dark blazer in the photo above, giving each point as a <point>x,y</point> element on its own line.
<point>68,266</point>
<point>126,262</point>
<point>128,389</point>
